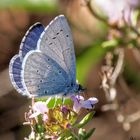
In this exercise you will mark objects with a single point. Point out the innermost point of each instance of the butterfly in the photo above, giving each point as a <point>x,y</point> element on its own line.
<point>45,64</point>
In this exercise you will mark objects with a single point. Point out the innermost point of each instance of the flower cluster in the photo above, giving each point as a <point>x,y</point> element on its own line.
<point>55,118</point>
<point>118,10</point>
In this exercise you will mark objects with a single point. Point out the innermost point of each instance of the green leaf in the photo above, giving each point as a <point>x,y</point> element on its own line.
<point>51,103</point>
<point>31,5</point>
<point>81,133</point>
<point>92,56</point>
<point>43,99</point>
<point>135,17</point>
<point>110,43</point>
<point>89,134</point>
<point>131,76</point>
<point>40,128</point>
<point>85,120</point>
<point>54,102</point>
<point>39,117</point>
<point>68,101</point>
<point>86,60</point>
<point>67,135</point>
<point>59,101</point>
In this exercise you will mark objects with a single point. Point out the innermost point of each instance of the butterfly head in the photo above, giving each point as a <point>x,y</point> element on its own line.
<point>79,88</point>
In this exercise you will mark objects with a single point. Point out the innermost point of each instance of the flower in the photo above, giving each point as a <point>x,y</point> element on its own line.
<point>39,108</point>
<point>79,102</point>
<point>64,110</point>
<point>118,10</point>
<point>57,120</point>
<point>89,103</point>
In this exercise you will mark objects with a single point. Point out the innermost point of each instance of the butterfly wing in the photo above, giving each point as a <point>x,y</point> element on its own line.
<point>29,42</point>
<point>49,68</point>
<point>42,75</point>
<point>15,69</point>
<point>56,42</point>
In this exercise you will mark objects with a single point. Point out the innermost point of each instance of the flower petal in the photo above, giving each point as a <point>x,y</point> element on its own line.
<point>89,103</point>
<point>45,117</point>
<point>34,115</point>
<point>77,106</point>
<point>77,102</point>
<point>40,107</point>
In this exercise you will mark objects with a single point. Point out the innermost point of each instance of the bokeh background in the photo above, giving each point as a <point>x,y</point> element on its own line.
<point>90,35</point>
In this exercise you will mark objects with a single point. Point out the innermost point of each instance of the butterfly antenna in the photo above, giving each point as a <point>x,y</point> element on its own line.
<point>84,92</point>
<point>33,101</point>
<point>55,101</point>
<point>63,100</point>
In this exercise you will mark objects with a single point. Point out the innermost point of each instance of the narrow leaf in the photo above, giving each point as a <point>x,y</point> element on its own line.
<point>85,120</point>
<point>81,133</point>
<point>89,134</point>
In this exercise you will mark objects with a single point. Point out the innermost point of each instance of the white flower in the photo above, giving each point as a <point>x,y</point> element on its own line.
<point>79,102</point>
<point>39,108</point>
<point>118,10</point>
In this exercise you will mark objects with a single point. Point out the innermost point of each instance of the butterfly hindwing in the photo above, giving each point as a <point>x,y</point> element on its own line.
<point>29,42</point>
<point>15,69</point>
<point>43,76</point>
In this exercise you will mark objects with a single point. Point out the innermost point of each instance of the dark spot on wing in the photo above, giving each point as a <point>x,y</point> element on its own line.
<point>54,38</point>
<point>72,84</point>
<point>45,91</point>
<point>60,71</point>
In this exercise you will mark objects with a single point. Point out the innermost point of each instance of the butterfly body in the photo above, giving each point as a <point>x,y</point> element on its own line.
<point>45,65</point>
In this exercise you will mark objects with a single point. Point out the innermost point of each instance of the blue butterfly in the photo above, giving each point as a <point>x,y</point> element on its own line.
<point>45,65</point>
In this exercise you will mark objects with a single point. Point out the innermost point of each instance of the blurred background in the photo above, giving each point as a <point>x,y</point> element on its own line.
<point>108,61</point>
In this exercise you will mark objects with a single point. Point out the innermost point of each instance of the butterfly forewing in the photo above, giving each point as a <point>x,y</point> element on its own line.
<point>29,41</point>
<point>56,42</point>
